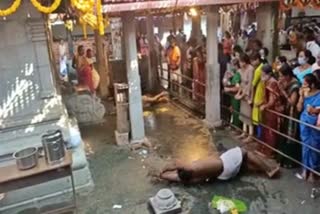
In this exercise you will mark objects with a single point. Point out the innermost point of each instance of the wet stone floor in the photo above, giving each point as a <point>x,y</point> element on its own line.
<point>121,176</point>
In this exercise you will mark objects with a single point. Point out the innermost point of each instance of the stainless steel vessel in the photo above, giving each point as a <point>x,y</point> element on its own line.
<point>26,158</point>
<point>53,146</point>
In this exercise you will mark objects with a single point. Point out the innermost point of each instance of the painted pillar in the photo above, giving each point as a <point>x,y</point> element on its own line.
<point>213,112</point>
<point>267,14</point>
<point>152,65</point>
<point>135,99</point>
<point>102,65</point>
<point>196,28</point>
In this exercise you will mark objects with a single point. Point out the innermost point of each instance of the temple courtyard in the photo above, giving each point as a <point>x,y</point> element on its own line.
<point>122,184</point>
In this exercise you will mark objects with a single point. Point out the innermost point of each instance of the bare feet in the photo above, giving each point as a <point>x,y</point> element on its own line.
<point>243,135</point>
<point>274,171</point>
<point>312,178</point>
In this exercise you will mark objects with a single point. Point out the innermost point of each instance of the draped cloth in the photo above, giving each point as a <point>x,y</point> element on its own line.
<point>310,136</point>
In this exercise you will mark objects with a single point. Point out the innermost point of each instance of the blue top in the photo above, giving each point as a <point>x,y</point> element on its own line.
<point>301,74</point>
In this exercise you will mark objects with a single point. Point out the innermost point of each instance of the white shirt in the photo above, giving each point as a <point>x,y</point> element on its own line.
<point>313,47</point>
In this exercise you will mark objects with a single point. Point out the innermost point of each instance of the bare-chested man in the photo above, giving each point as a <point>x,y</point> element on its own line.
<point>224,167</point>
<point>159,98</point>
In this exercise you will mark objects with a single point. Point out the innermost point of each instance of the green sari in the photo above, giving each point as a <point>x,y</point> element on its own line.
<point>290,128</point>
<point>236,79</point>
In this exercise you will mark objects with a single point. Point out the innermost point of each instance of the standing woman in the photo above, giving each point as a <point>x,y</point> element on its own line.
<point>289,88</point>
<point>231,85</point>
<point>305,60</point>
<point>272,101</point>
<point>245,95</point>
<point>309,104</point>
<point>258,88</point>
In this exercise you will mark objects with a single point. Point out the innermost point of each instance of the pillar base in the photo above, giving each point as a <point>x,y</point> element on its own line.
<point>138,144</point>
<point>212,125</point>
<point>122,139</point>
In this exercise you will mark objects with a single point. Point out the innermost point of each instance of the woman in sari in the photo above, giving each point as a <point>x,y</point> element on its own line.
<point>309,104</point>
<point>231,83</point>
<point>258,89</point>
<point>289,88</point>
<point>84,70</point>
<point>272,101</point>
<point>305,60</point>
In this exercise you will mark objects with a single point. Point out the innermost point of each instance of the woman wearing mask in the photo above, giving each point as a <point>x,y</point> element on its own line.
<point>272,101</point>
<point>258,89</point>
<point>245,95</point>
<point>304,68</point>
<point>309,104</point>
<point>289,88</point>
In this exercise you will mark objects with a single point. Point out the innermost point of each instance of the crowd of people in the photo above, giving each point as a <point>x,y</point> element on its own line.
<point>185,59</point>
<point>268,98</point>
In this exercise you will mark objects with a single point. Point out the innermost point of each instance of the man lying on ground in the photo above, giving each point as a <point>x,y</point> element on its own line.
<point>225,167</point>
<point>159,98</point>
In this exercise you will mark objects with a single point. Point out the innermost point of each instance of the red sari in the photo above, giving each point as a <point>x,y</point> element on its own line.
<point>269,119</point>
<point>85,77</point>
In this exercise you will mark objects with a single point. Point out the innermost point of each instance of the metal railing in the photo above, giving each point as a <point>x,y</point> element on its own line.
<point>165,72</point>
<point>279,133</point>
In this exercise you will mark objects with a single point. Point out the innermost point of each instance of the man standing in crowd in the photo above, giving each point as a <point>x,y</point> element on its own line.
<point>174,61</point>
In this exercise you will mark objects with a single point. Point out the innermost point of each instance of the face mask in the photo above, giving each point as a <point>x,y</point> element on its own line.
<point>301,61</point>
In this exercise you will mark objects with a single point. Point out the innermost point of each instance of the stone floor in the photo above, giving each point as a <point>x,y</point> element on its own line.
<point>121,177</point>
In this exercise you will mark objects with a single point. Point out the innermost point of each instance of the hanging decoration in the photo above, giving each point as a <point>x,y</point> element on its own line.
<point>44,9</point>
<point>303,3</point>
<point>316,4</point>
<point>289,4</point>
<point>13,8</point>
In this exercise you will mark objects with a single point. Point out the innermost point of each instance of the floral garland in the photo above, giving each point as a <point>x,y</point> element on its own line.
<point>84,6</point>
<point>13,8</point>
<point>44,9</point>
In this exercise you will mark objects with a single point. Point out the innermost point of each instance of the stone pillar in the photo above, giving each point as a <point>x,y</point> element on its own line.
<point>152,60</point>
<point>213,114</point>
<point>196,28</point>
<point>267,14</point>
<point>102,65</point>
<point>135,99</point>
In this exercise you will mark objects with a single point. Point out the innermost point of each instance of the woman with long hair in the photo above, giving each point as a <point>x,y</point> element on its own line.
<point>309,105</point>
<point>289,88</point>
<point>272,101</point>
<point>245,96</point>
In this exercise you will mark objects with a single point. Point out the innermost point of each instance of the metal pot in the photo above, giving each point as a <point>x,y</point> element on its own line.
<point>26,158</point>
<point>53,146</point>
